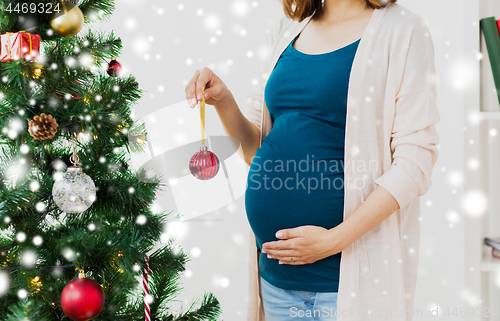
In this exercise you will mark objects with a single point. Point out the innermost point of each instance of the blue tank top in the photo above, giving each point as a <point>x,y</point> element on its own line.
<point>296,177</point>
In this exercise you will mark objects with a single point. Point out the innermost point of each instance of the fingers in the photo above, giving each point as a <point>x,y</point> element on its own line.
<point>202,79</point>
<point>208,93</point>
<point>191,90</point>
<point>285,258</point>
<point>282,253</point>
<point>205,77</point>
<point>212,92</point>
<point>279,245</point>
<point>289,262</point>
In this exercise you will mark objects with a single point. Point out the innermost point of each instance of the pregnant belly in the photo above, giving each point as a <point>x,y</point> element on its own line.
<point>279,197</point>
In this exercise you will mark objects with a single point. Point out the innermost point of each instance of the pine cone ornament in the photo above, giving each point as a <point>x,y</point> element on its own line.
<point>43,127</point>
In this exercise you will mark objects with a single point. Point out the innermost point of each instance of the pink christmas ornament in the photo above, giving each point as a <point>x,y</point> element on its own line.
<point>204,165</point>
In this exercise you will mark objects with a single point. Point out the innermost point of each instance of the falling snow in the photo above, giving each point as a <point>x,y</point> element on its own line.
<point>4,283</point>
<point>37,240</point>
<point>28,258</point>
<point>141,219</point>
<point>22,294</point>
<point>21,237</point>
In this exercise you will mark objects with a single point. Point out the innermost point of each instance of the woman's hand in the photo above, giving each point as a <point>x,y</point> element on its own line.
<point>215,89</point>
<point>306,244</point>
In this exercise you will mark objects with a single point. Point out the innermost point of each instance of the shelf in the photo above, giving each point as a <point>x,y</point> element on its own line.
<point>489,115</point>
<point>489,263</point>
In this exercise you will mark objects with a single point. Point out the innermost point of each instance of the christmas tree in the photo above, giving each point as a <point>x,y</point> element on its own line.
<point>78,230</point>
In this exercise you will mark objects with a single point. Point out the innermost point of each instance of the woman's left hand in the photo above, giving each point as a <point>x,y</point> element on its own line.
<point>306,244</point>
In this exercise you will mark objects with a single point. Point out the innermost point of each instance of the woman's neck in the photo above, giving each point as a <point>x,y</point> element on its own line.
<point>341,10</point>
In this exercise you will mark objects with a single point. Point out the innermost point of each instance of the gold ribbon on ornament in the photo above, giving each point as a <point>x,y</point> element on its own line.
<point>9,51</point>
<point>202,115</point>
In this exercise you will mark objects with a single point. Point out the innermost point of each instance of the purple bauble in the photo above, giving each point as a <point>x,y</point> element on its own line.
<point>204,165</point>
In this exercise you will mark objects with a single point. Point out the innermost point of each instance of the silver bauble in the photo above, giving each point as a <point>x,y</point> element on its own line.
<point>75,191</point>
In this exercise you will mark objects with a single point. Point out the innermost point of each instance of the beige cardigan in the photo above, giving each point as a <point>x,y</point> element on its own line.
<point>390,141</point>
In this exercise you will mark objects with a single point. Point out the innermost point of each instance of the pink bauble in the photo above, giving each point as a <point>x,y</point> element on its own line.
<point>204,165</point>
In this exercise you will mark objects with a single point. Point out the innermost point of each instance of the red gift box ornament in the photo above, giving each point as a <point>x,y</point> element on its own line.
<point>17,45</point>
<point>204,165</point>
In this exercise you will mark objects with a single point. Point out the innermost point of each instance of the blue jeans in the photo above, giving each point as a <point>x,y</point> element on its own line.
<point>289,305</point>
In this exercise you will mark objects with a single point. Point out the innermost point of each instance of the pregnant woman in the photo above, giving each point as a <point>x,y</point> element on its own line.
<point>341,141</point>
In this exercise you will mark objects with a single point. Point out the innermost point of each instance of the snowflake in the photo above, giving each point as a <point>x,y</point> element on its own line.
<point>37,240</point>
<point>22,294</point>
<point>4,283</point>
<point>475,203</point>
<point>141,219</point>
<point>240,7</point>
<point>28,258</point>
<point>68,254</point>
<point>195,252</point>
<point>21,237</point>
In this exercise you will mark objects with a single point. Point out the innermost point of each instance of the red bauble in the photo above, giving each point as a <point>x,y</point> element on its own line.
<point>82,299</point>
<point>204,165</point>
<point>114,68</point>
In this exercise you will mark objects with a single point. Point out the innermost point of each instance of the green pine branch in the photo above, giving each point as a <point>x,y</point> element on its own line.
<point>94,7</point>
<point>208,310</point>
<point>28,310</point>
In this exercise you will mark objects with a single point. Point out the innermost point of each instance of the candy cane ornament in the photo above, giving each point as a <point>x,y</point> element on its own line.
<point>147,296</point>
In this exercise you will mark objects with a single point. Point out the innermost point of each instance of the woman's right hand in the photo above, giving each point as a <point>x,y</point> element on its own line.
<point>215,89</point>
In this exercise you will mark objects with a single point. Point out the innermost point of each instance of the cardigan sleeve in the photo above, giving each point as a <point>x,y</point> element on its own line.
<point>414,138</point>
<point>255,97</point>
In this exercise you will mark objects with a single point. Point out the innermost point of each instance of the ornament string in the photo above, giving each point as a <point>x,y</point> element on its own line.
<point>202,116</point>
<point>64,7</point>
<point>145,283</point>
<point>74,158</point>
